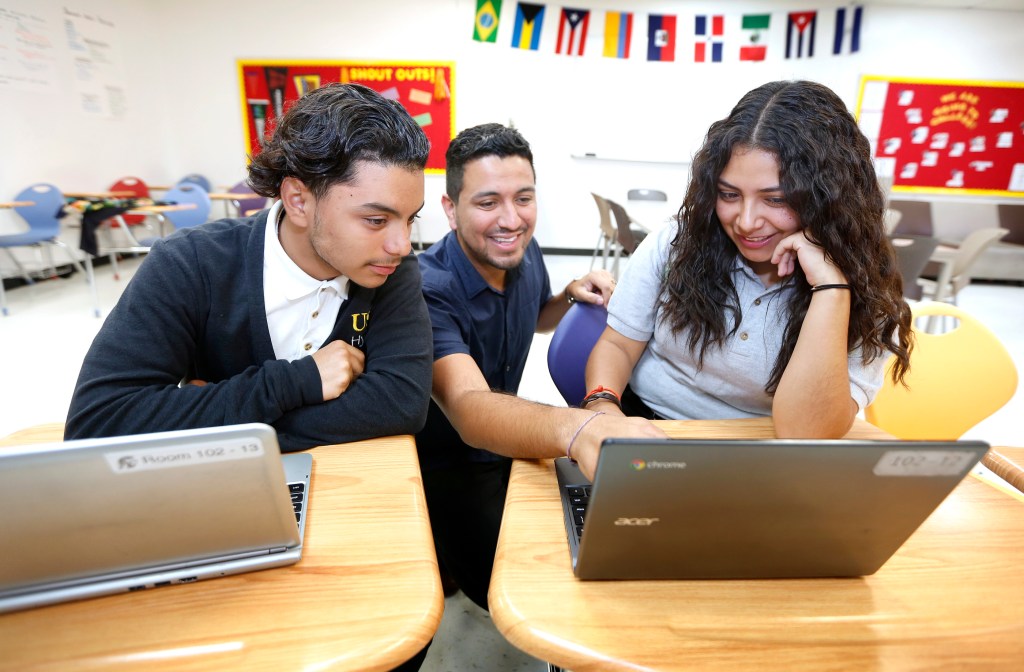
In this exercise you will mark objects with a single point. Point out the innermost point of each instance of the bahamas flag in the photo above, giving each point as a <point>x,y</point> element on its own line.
<point>755,31</point>
<point>529,20</point>
<point>661,37</point>
<point>486,27</point>
<point>572,31</point>
<point>618,28</point>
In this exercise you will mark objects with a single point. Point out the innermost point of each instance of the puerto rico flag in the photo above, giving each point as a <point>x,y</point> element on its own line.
<point>755,30</point>
<point>572,31</point>
<point>529,20</point>
<point>661,37</point>
<point>618,28</point>
<point>800,34</point>
<point>486,27</point>
<point>708,31</point>
<point>847,35</point>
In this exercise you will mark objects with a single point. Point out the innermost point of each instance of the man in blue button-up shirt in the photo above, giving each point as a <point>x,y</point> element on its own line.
<point>487,292</point>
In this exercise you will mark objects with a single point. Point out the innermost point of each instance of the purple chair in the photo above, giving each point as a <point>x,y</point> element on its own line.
<point>570,348</point>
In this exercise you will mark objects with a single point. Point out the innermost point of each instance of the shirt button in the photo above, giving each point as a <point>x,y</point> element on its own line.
<point>316,313</point>
<point>743,336</point>
<point>307,346</point>
<point>757,302</point>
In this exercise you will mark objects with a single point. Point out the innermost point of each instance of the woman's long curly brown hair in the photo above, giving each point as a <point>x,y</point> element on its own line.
<point>828,180</point>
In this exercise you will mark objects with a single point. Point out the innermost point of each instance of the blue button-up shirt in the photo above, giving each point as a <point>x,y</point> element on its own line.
<point>494,327</point>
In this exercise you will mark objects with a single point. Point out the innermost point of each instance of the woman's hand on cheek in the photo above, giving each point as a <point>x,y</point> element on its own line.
<point>797,249</point>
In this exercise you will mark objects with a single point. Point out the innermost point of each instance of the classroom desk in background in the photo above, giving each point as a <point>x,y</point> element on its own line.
<point>8,205</point>
<point>951,598</point>
<point>366,594</point>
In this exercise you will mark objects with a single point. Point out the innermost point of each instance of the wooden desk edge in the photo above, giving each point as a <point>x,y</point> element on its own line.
<point>415,631</point>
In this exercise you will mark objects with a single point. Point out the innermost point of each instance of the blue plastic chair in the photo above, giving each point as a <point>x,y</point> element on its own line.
<point>198,180</point>
<point>188,193</point>
<point>182,194</point>
<point>570,348</point>
<point>43,218</point>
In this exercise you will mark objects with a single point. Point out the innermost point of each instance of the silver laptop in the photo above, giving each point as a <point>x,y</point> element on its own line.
<point>100,516</point>
<point>704,509</point>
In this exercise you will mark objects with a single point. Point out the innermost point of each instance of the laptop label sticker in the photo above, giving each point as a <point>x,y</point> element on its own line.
<point>924,463</point>
<point>132,461</point>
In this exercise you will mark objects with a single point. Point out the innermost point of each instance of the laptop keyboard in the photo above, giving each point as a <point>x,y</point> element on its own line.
<point>579,497</point>
<point>298,493</point>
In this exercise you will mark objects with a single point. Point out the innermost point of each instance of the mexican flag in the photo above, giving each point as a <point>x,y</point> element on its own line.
<point>755,37</point>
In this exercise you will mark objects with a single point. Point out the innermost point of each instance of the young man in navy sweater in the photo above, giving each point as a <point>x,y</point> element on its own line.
<point>307,316</point>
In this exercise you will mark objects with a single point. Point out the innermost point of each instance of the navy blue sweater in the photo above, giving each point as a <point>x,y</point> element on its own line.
<point>195,309</point>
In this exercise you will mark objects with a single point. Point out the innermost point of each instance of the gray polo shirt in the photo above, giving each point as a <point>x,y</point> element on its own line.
<point>731,383</point>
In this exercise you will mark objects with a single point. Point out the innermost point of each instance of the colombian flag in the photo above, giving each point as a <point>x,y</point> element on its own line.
<point>487,13</point>
<point>618,27</point>
<point>661,37</point>
<point>529,20</point>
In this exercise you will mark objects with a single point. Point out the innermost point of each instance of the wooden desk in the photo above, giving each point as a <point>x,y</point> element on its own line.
<point>7,205</point>
<point>951,598</point>
<point>365,596</point>
<point>99,194</point>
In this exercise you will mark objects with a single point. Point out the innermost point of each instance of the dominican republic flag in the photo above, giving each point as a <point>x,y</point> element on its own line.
<point>572,31</point>
<point>529,20</point>
<point>755,31</point>
<point>618,28</point>
<point>661,37</point>
<point>486,27</point>
<point>800,28</point>
<point>708,30</point>
<point>847,37</point>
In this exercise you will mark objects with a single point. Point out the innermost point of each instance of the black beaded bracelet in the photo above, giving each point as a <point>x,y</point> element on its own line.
<point>818,288</point>
<point>608,396</point>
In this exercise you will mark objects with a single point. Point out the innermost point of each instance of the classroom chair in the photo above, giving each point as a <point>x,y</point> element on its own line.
<point>43,219</point>
<point>570,348</point>
<point>956,380</point>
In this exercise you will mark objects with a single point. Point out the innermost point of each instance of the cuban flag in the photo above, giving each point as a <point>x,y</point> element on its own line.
<point>618,28</point>
<point>708,31</point>
<point>572,31</point>
<point>847,35</point>
<point>800,28</point>
<point>661,37</point>
<point>755,29</point>
<point>529,20</point>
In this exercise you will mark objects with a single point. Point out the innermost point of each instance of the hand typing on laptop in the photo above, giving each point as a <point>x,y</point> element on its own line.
<point>587,445</point>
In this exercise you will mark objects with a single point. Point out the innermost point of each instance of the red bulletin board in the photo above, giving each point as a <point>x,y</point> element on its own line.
<point>426,90</point>
<point>954,137</point>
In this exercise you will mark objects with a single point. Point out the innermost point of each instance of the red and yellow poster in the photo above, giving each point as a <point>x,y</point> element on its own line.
<point>938,136</point>
<point>426,90</point>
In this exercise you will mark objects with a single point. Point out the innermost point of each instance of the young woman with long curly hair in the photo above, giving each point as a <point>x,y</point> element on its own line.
<point>777,293</point>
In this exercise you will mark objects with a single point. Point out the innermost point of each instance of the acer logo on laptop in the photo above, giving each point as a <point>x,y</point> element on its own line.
<point>636,522</point>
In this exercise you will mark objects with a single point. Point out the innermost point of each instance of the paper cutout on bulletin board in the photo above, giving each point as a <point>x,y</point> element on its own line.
<point>425,89</point>
<point>937,136</point>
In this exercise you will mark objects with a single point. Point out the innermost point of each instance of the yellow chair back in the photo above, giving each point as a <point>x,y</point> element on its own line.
<point>956,380</point>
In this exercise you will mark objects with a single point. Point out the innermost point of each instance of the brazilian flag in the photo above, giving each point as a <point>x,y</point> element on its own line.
<point>486,27</point>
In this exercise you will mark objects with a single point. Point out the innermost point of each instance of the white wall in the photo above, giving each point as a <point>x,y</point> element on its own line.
<point>184,112</point>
